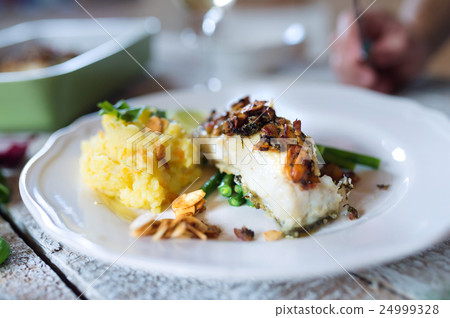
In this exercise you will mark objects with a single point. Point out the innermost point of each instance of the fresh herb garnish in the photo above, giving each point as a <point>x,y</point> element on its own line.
<point>121,110</point>
<point>5,192</point>
<point>160,113</point>
<point>5,250</point>
<point>126,112</point>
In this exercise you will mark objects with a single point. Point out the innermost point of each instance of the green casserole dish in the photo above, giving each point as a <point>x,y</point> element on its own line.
<point>51,97</point>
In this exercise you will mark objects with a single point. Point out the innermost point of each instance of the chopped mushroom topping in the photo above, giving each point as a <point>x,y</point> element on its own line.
<point>246,119</point>
<point>300,168</point>
<point>244,234</point>
<point>155,124</point>
<point>332,170</point>
<point>352,212</point>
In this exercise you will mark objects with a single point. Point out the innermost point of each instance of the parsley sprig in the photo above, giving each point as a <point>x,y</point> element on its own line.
<point>121,110</point>
<point>126,112</point>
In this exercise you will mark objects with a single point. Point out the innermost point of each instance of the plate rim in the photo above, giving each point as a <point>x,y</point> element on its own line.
<point>102,253</point>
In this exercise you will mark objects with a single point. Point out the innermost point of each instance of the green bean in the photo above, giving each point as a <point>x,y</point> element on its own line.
<point>226,186</point>
<point>250,203</point>
<point>238,189</point>
<point>212,183</point>
<point>5,250</point>
<point>236,200</point>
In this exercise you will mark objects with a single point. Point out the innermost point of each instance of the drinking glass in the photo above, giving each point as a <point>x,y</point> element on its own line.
<point>204,16</point>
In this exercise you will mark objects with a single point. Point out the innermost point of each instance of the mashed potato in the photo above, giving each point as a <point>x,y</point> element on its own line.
<point>125,162</point>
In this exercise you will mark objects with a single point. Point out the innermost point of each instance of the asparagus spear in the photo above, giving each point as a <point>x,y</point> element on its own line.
<point>347,159</point>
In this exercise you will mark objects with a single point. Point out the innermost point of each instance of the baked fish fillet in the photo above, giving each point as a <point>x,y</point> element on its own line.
<point>275,163</point>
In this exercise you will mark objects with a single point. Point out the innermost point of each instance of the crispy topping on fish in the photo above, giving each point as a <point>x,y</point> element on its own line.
<point>246,119</point>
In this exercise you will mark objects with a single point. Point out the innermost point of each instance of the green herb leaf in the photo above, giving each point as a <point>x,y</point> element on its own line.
<point>4,193</point>
<point>5,250</point>
<point>132,114</point>
<point>125,112</point>
<point>160,113</point>
<point>106,108</point>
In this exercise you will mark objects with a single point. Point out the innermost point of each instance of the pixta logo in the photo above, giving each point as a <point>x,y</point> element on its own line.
<point>148,150</point>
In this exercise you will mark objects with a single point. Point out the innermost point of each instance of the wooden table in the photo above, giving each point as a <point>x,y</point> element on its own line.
<point>41,268</point>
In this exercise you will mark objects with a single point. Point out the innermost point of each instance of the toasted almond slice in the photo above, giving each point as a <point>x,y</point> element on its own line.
<point>169,230</point>
<point>164,225</point>
<point>198,224</point>
<point>178,219</point>
<point>199,205</point>
<point>179,230</point>
<point>179,203</point>
<point>160,151</point>
<point>148,229</point>
<point>198,233</point>
<point>188,199</point>
<point>272,235</point>
<point>202,209</point>
<point>144,224</point>
<point>187,235</point>
<point>154,124</point>
<point>187,211</point>
<point>165,123</point>
<point>142,220</point>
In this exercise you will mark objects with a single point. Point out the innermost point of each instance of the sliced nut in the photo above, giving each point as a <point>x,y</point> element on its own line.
<point>187,211</point>
<point>188,199</point>
<point>179,230</point>
<point>160,152</point>
<point>165,123</point>
<point>154,124</point>
<point>272,235</point>
<point>161,230</point>
<point>142,220</point>
<point>143,225</point>
<point>180,227</point>
<point>199,234</point>
<point>199,205</point>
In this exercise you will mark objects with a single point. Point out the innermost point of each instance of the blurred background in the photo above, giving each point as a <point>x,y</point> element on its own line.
<point>244,40</point>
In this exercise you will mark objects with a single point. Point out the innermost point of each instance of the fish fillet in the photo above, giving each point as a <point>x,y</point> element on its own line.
<point>275,163</point>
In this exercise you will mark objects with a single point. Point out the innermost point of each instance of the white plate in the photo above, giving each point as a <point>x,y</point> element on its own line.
<point>413,143</point>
